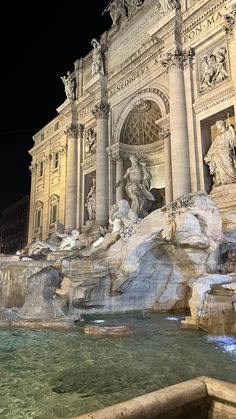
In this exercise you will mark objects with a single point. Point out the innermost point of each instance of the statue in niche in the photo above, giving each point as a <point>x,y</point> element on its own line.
<point>91,141</point>
<point>70,85</point>
<point>213,68</point>
<point>91,201</point>
<point>221,155</point>
<point>116,9</point>
<point>138,182</point>
<point>169,5</point>
<point>97,58</point>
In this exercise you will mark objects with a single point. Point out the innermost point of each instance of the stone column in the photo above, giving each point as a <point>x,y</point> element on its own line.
<point>230,29</point>
<point>101,113</point>
<point>33,170</point>
<point>119,178</point>
<point>79,175</point>
<point>168,170</point>
<point>178,126</point>
<point>71,178</point>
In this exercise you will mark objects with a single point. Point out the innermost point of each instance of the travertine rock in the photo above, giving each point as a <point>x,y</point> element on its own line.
<point>213,304</point>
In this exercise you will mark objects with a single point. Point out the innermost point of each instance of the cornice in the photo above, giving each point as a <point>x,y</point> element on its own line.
<point>200,14</point>
<point>213,97</point>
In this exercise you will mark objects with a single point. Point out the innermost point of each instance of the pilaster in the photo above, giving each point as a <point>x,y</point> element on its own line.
<point>230,30</point>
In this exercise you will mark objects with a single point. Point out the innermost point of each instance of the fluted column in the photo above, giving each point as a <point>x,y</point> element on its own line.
<point>101,113</point>
<point>71,178</point>
<point>168,170</point>
<point>178,126</point>
<point>230,29</point>
<point>119,178</point>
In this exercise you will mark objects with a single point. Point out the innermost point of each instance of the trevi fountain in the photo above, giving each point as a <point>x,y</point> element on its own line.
<point>131,312</point>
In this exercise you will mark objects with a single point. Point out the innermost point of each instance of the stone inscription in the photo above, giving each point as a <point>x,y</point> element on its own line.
<point>129,80</point>
<point>198,30</point>
<point>133,38</point>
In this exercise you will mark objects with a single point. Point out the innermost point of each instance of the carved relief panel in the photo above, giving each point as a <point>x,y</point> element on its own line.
<point>213,67</point>
<point>90,142</point>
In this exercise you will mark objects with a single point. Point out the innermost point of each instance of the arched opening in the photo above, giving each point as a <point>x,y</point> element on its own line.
<point>140,126</point>
<point>140,135</point>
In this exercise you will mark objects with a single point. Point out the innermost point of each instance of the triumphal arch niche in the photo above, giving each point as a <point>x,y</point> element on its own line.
<point>149,116</point>
<point>140,131</point>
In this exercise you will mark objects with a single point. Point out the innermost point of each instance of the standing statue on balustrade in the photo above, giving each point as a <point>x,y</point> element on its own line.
<point>116,8</point>
<point>169,5</point>
<point>97,58</point>
<point>70,85</point>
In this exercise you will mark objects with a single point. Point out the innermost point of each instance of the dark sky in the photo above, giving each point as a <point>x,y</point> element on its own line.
<point>39,43</point>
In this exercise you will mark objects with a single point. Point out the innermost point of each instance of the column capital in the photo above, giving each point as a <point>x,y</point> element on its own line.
<point>174,60</point>
<point>81,130</point>
<point>101,110</point>
<point>165,134</point>
<point>116,157</point>
<point>72,131</point>
<point>230,18</point>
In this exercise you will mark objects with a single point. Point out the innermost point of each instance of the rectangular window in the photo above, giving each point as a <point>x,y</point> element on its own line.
<point>56,126</point>
<point>40,173</point>
<point>37,223</point>
<point>53,214</point>
<point>55,160</point>
<point>42,137</point>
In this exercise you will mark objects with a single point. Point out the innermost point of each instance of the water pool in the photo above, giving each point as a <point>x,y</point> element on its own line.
<point>51,374</point>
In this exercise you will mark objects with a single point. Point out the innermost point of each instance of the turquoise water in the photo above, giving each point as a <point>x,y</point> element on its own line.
<point>50,374</point>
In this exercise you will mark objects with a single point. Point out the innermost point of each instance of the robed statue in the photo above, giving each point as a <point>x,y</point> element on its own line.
<point>221,155</point>
<point>138,182</point>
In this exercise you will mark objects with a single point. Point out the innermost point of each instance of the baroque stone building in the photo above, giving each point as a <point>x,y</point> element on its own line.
<point>14,226</point>
<point>153,86</point>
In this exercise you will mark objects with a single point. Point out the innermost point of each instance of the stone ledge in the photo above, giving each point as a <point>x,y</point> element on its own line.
<point>193,399</point>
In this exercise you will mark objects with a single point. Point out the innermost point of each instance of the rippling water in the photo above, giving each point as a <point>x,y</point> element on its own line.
<point>50,374</point>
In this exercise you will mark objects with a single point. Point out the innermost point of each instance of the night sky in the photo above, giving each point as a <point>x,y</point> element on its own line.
<point>39,44</point>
